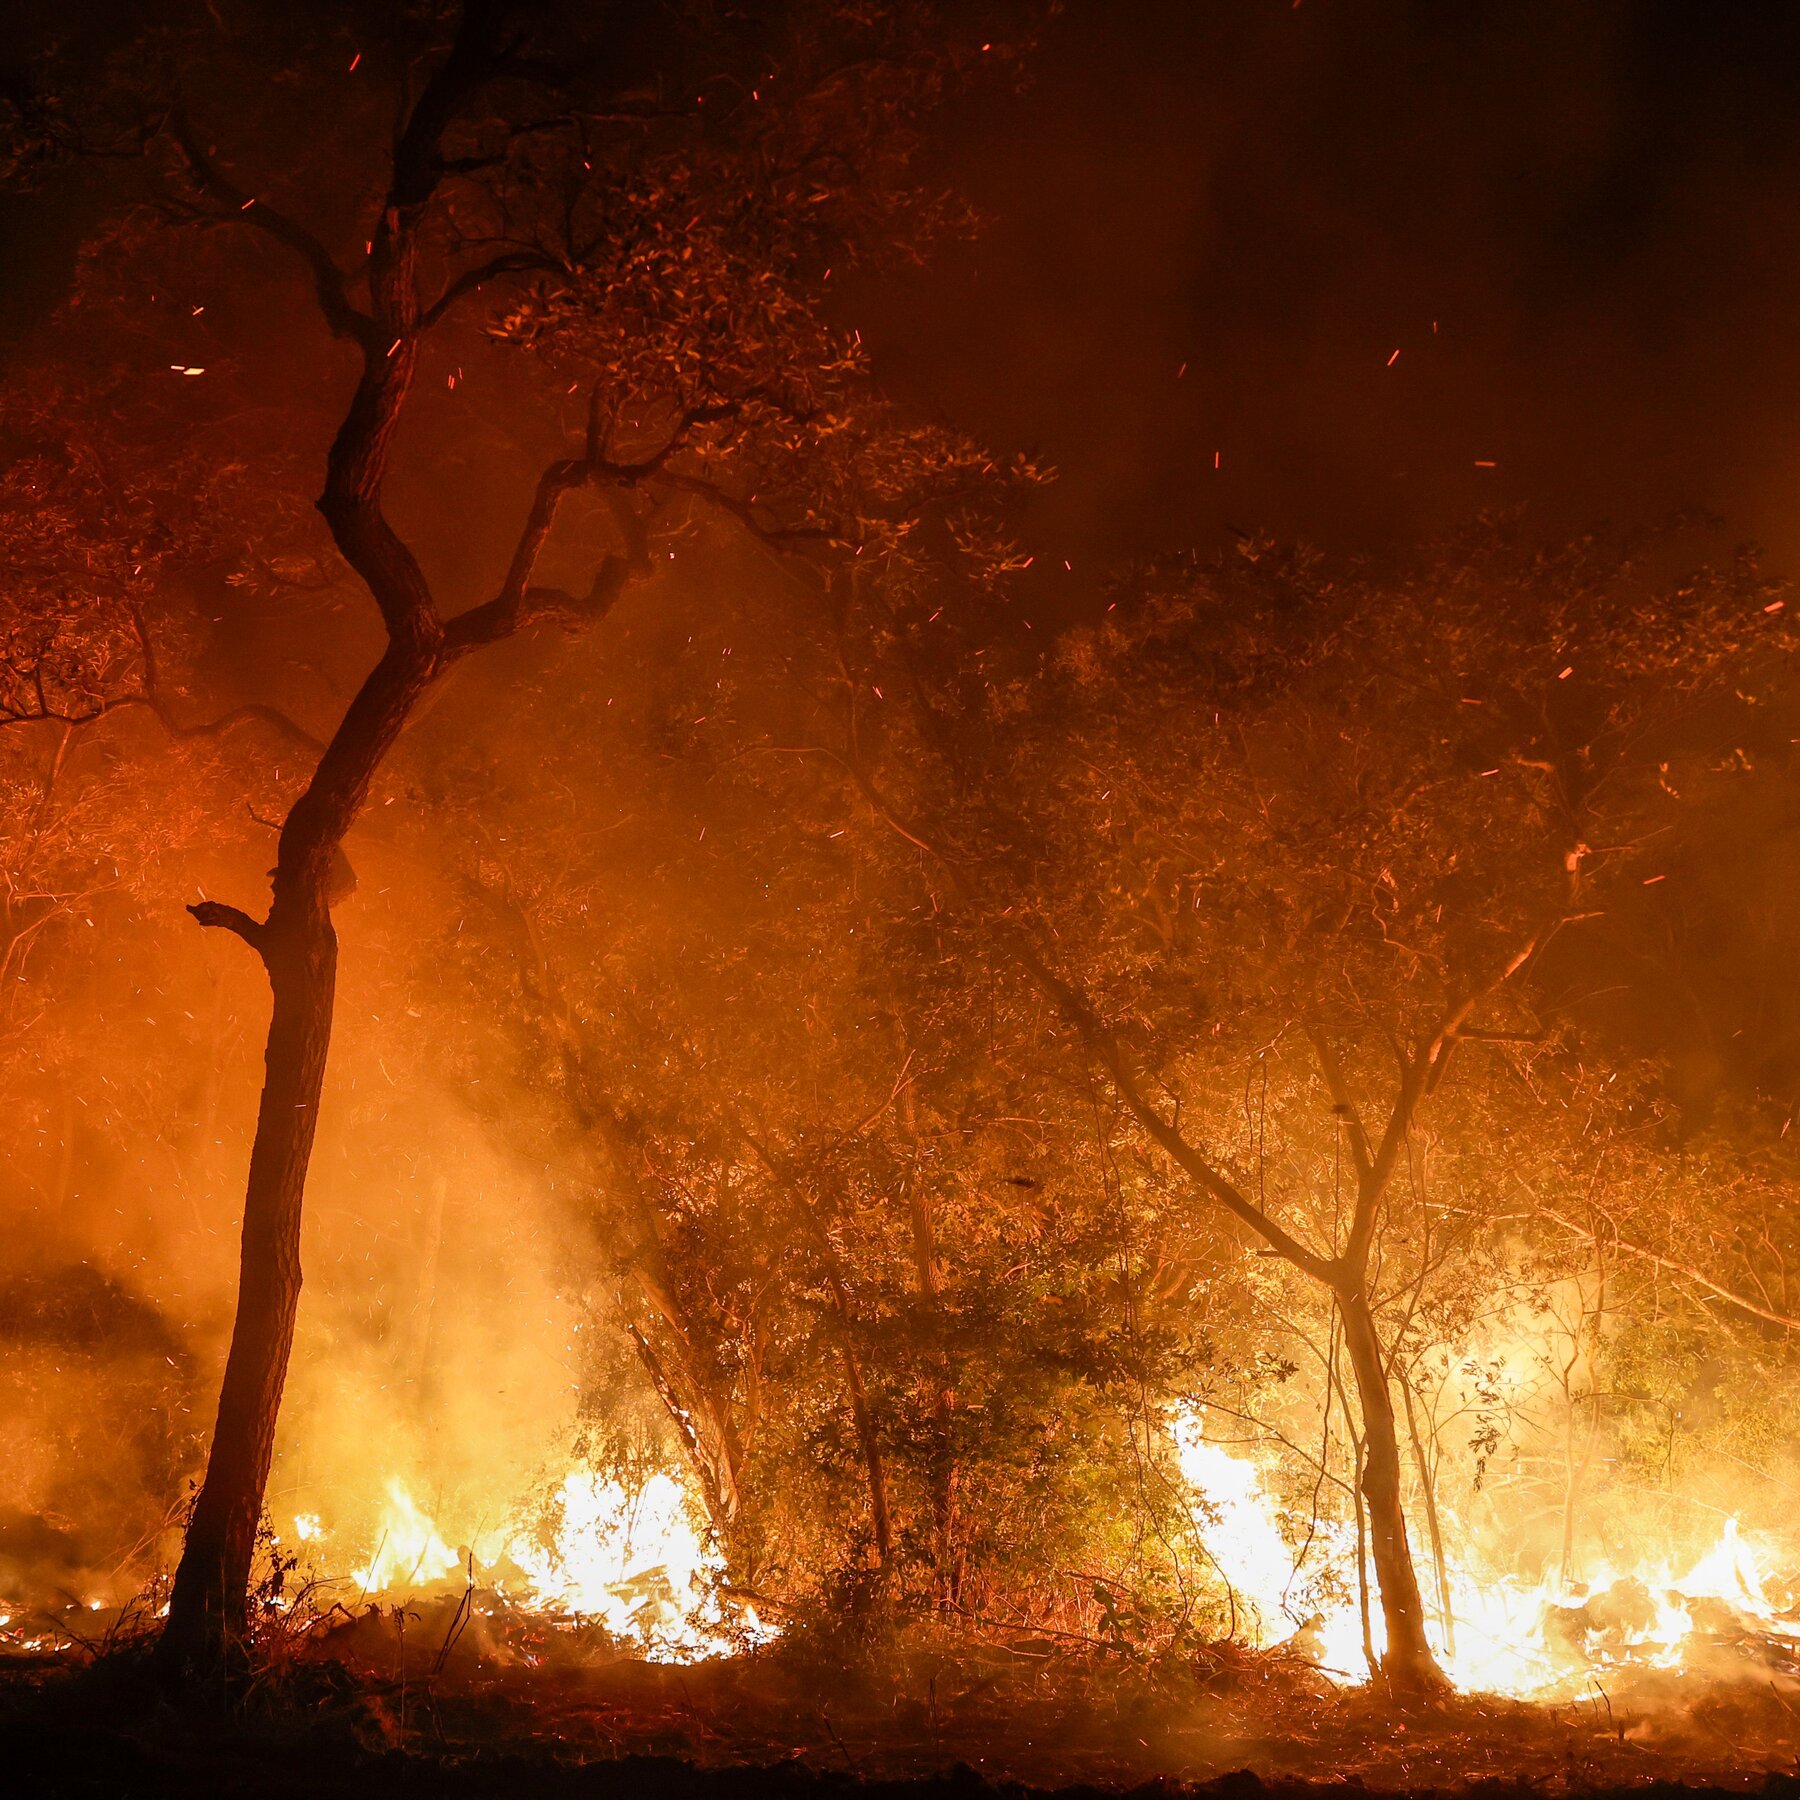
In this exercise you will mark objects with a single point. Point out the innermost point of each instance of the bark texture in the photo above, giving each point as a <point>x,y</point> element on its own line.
<point>207,1607</point>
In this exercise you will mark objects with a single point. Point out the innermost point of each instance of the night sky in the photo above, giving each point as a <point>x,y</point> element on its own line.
<point>1578,224</point>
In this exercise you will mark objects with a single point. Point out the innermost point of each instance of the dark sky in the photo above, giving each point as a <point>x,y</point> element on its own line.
<point>1578,221</point>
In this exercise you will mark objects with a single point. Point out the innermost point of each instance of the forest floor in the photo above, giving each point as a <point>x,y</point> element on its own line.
<point>376,1711</point>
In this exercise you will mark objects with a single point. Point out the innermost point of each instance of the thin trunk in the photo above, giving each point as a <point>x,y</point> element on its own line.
<point>698,1404</point>
<point>1407,1662</point>
<point>1334,1378</point>
<point>867,1437</point>
<point>296,941</point>
<point>941,1397</point>
<point>1364,1612</point>
<point>298,947</point>
<point>1427,1468</point>
<point>207,1608</point>
<point>702,1422</point>
<point>1566,1565</point>
<point>702,1416</point>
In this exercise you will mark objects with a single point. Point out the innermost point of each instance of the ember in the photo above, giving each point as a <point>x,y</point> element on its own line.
<point>698,1056</point>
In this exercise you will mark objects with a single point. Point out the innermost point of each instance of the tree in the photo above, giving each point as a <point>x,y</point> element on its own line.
<point>1326,836</point>
<point>865,1266</point>
<point>655,207</point>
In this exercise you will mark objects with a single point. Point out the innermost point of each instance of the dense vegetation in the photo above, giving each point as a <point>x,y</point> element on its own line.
<point>901,1061</point>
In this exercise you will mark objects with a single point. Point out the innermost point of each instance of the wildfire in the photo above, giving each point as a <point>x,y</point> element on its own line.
<point>591,1550</point>
<point>408,1554</point>
<point>634,1562</point>
<point>1294,1581</point>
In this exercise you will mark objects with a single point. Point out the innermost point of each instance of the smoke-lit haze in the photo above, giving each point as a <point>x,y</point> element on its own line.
<point>1578,225</point>
<point>1342,272</point>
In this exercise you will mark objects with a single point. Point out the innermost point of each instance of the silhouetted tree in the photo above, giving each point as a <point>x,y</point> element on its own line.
<point>650,207</point>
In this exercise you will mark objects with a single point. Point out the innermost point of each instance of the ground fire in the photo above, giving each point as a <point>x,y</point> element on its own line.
<point>897,890</point>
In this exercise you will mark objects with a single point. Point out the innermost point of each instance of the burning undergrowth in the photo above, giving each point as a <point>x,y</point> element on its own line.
<point>1721,1617</point>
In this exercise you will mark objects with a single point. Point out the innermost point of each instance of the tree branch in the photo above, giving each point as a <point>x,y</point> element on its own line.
<point>255,711</point>
<point>344,319</point>
<point>1169,1137</point>
<point>780,537</point>
<point>513,263</point>
<point>216,915</point>
<point>1686,1270</point>
<point>1103,1043</point>
<point>1342,1104</point>
<point>519,603</point>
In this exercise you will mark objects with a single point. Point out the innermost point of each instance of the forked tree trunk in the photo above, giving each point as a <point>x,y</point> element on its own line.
<point>207,1609</point>
<point>208,1605</point>
<point>1407,1661</point>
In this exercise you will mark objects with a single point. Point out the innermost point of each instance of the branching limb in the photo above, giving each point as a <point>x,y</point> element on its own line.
<point>521,603</point>
<point>1342,1103</point>
<point>516,262</point>
<point>1103,1043</point>
<point>329,282</point>
<point>1686,1271</point>
<point>218,916</point>
<point>1420,1073</point>
<point>253,713</point>
<point>781,537</point>
<point>1168,1136</point>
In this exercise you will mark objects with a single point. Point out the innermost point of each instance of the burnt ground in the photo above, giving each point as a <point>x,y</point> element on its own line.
<point>374,1712</point>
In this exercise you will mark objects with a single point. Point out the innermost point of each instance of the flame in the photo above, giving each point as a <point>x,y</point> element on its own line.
<point>633,1562</point>
<point>408,1553</point>
<point>1241,1526</point>
<point>589,1550</point>
<point>1294,1581</point>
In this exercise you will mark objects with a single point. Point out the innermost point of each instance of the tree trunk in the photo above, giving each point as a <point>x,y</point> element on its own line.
<point>1407,1662</point>
<point>298,947</point>
<point>207,1608</point>
<point>700,1413</point>
<point>940,1394</point>
<point>867,1437</point>
<point>1427,1467</point>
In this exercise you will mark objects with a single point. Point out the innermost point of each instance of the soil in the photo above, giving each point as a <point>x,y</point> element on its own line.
<point>380,1709</point>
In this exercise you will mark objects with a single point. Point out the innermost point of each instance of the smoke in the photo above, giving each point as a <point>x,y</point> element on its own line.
<point>1211,231</point>
<point>1211,228</point>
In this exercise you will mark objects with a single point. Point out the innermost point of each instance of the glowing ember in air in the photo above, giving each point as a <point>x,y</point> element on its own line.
<point>1294,1584</point>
